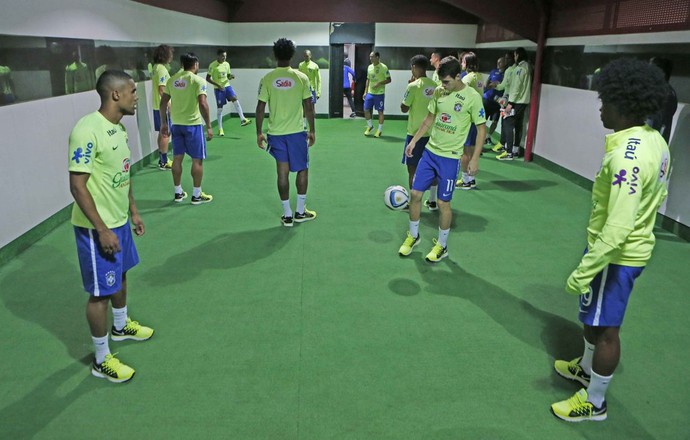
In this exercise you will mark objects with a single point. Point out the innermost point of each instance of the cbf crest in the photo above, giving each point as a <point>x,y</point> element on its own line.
<point>110,278</point>
<point>458,107</point>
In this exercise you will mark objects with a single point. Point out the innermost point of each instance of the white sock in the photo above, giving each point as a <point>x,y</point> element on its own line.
<point>433,193</point>
<point>596,391</point>
<point>516,150</point>
<point>587,356</point>
<point>119,318</point>
<point>178,189</point>
<point>238,107</point>
<point>443,236</point>
<point>380,126</point>
<point>101,348</point>
<point>414,228</point>
<point>287,212</point>
<point>301,203</point>
<point>465,177</point>
<point>369,124</point>
<point>197,192</point>
<point>220,118</point>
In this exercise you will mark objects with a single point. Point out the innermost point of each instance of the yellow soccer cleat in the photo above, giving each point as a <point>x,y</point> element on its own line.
<point>305,216</point>
<point>496,148</point>
<point>578,409</point>
<point>368,131</point>
<point>572,371</point>
<point>409,244</point>
<point>203,198</point>
<point>378,134</point>
<point>437,253</point>
<point>132,330</point>
<point>112,369</point>
<point>245,122</point>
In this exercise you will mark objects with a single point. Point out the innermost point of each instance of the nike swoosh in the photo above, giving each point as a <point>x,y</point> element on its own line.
<point>446,194</point>
<point>115,147</point>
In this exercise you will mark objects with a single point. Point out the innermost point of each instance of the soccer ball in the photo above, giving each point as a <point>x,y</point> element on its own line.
<point>396,197</point>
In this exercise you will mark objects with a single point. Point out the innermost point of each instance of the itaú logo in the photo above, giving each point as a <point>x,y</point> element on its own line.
<point>283,83</point>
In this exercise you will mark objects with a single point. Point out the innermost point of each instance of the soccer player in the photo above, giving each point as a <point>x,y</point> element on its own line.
<point>99,163</point>
<point>188,90</point>
<point>503,87</point>
<point>416,101</point>
<point>288,95</point>
<point>219,75</point>
<point>311,69</point>
<point>519,96</point>
<point>491,95</point>
<point>348,80</point>
<point>627,192</point>
<point>78,76</point>
<point>375,89</point>
<point>162,55</point>
<point>6,86</point>
<point>474,80</point>
<point>452,109</point>
<point>434,61</point>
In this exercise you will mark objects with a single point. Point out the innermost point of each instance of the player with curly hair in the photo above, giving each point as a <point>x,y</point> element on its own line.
<point>627,192</point>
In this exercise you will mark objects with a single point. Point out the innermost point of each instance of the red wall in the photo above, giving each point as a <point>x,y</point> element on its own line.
<point>351,11</point>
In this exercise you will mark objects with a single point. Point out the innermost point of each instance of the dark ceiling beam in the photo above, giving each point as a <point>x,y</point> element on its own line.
<point>519,16</point>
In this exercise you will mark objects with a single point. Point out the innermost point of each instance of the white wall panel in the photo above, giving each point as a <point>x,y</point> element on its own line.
<point>425,35</point>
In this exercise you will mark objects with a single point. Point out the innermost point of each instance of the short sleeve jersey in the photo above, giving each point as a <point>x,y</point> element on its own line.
<point>454,111</point>
<point>284,89</point>
<point>417,97</point>
<point>311,69</point>
<point>5,75</point>
<point>474,80</point>
<point>160,77</point>
<point>220,72</point>
<point>628,190</point>
<point>184,89</point>
<point>99,148</point>
<point>376,74</point>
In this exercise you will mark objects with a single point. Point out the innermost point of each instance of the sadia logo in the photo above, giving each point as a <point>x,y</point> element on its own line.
<point>180,84</point>
<point>445,117</point>
<point>125,165</point>
<point>429,92</point>
<point>283,83</point>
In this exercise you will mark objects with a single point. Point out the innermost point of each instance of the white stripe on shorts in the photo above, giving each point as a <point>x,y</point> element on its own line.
<point>600,297</point>
<point>92,247</point>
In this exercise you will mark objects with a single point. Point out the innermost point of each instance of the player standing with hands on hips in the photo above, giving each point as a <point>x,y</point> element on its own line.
<point>99,164</point>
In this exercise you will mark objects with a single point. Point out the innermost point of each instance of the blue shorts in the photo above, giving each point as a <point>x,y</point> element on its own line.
<point>313,96</point>
<point>101,273</point>
<point>471,140</point>
<point>443,169</point>
<point>416,153</point>
<point>224,95</point>
<point>189,139</point>
<point>157,120</point>
<point>374,102</point>
<point>290,148</point>
<point>604,305</point>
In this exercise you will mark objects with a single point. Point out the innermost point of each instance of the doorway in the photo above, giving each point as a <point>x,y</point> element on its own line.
<point>353,42</point>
